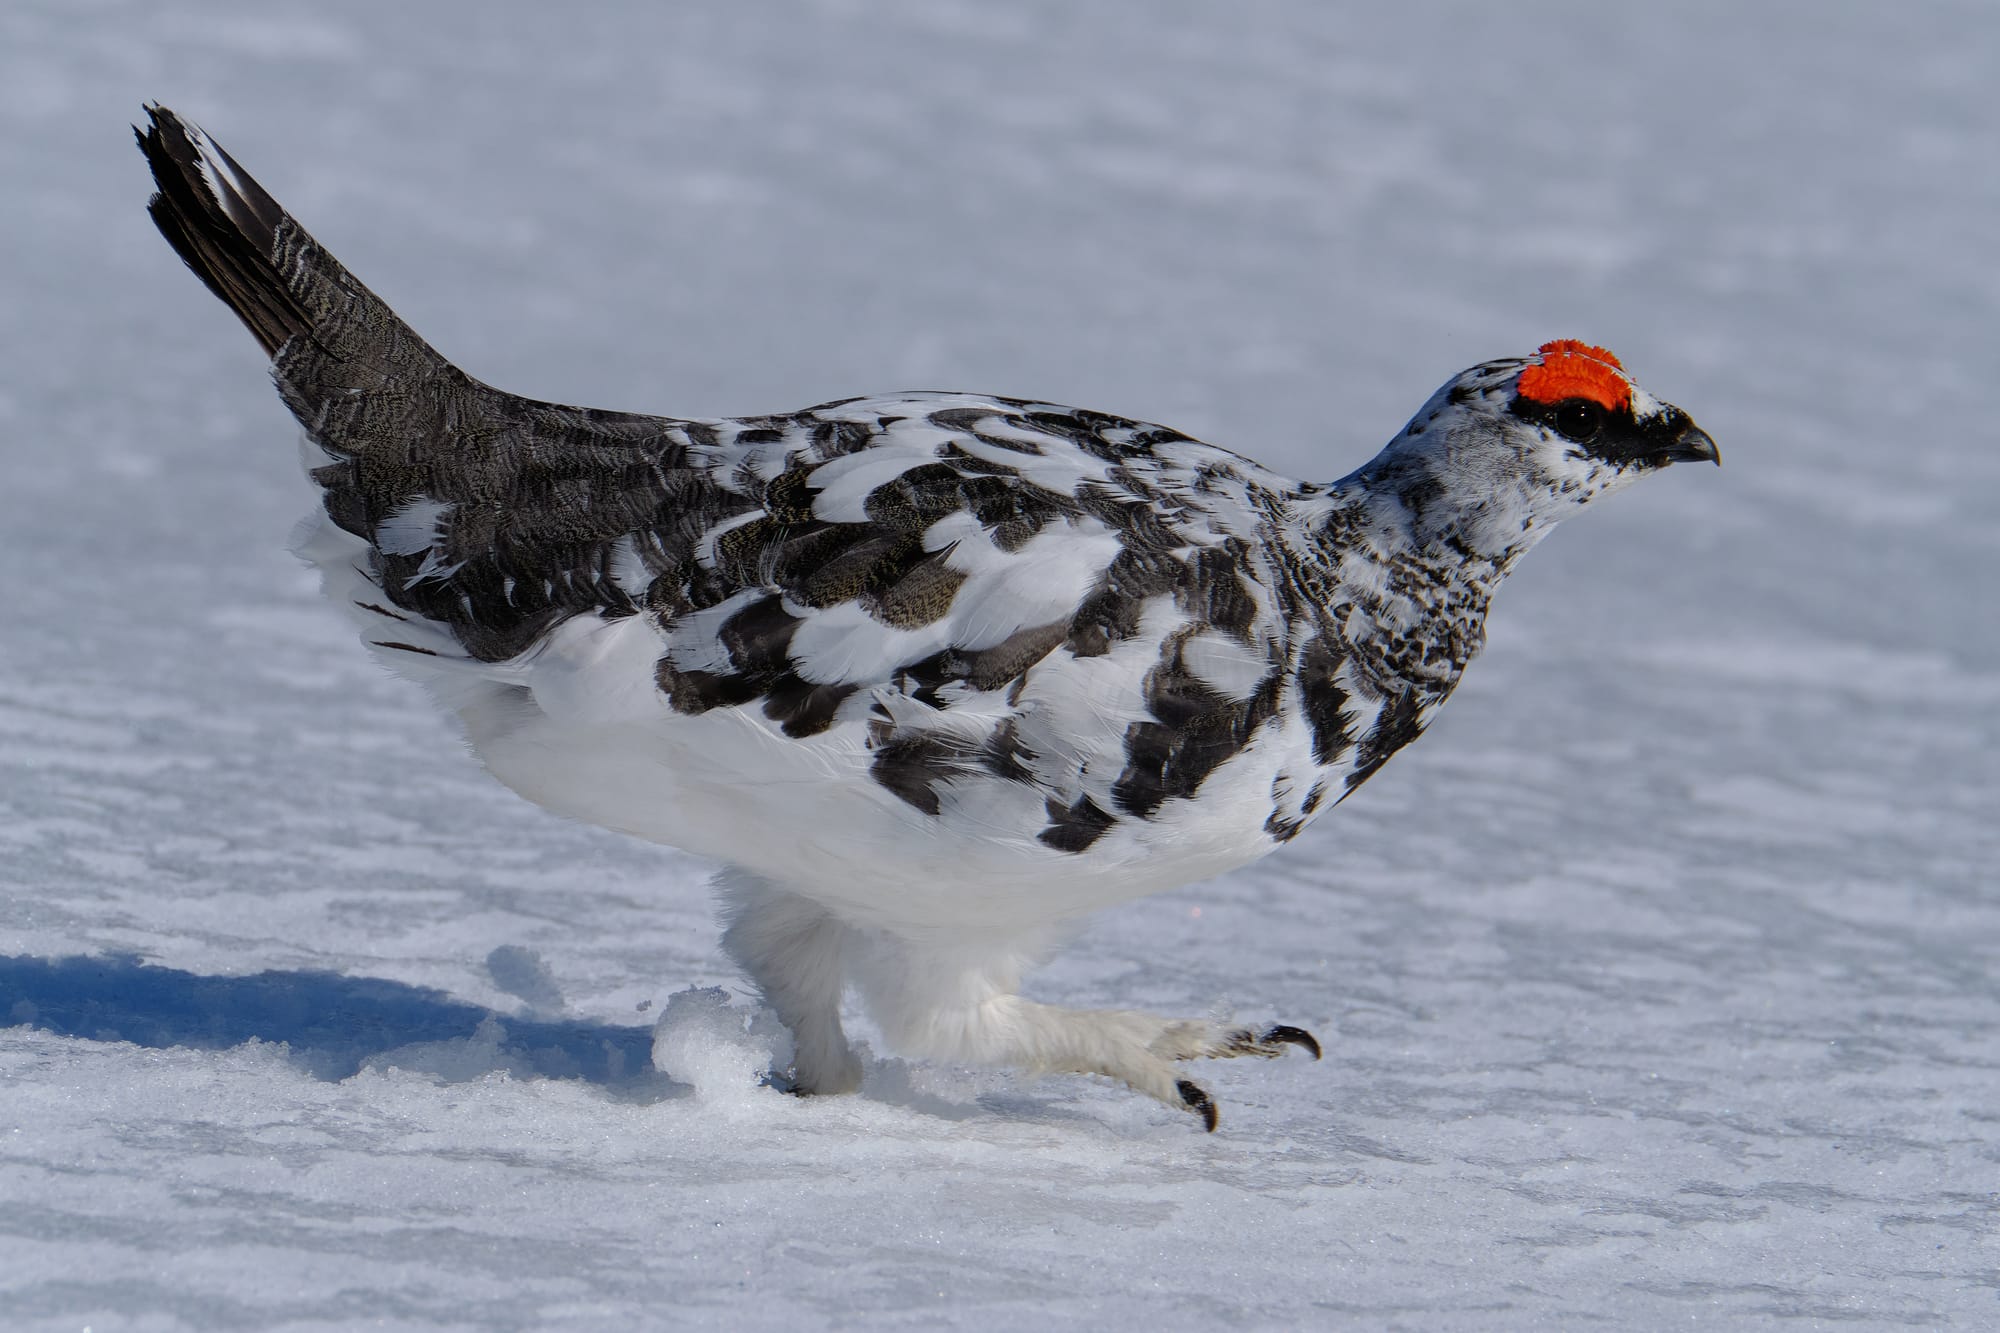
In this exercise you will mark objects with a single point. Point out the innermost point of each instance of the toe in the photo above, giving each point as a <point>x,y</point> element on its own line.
<point>1286,1035</point>
<point>1270,1042</point>
<point>1196,1099</point>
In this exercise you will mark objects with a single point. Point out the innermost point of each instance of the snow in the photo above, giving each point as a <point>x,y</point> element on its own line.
<point>1657,982</point>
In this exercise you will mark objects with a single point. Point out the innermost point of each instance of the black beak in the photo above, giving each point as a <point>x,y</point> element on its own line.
<point>1684,441</point>
<point>1694,446</point>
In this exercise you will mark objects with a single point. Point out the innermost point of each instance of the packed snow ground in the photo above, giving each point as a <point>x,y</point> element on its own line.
<point>1657,981</point>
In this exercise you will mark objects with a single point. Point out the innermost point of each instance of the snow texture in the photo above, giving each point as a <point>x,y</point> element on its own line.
<point>1657,981</point>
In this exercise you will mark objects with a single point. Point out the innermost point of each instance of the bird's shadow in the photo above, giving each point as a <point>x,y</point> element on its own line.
<point>332,1025</point>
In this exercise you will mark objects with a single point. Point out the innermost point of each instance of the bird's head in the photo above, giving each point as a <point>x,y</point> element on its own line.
<point>1508,448</point>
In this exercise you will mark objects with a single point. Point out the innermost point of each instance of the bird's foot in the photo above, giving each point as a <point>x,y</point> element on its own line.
<point>1198,1040</point>
<point>942,1014</point>
<point>1145,1052</point>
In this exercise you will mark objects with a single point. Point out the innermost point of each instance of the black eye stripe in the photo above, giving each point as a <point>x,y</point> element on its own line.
<point>1578,419</point>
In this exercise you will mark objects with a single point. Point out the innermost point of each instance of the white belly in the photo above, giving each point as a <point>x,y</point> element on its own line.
<point>808,814</point>
<point>578,726</point>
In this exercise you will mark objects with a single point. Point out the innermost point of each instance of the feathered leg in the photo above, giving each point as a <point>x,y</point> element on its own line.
<point>962,1005</point>
<point>796,953</point>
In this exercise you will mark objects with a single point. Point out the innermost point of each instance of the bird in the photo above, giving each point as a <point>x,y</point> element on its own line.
<point>933,676</point>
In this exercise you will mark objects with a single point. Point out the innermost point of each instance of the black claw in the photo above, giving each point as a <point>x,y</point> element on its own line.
<point>1291,1036</point>
<point>1197,1101</point>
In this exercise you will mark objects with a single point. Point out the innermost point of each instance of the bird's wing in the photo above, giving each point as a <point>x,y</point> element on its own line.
<point>906,563</point>
<point>924,538</point>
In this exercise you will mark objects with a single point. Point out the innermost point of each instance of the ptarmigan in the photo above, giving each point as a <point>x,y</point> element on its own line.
<point>933,674</point>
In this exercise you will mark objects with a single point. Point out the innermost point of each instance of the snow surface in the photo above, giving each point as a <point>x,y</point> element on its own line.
<point>1657,982</point>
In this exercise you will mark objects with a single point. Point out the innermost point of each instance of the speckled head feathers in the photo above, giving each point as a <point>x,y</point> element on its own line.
<point>1572,369</point>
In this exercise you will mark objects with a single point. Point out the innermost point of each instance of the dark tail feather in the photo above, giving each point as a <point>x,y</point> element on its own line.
<point>223,224</point>
<point>328,336</point>
<point>475,490</point>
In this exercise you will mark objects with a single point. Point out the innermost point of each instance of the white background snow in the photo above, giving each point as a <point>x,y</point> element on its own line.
<point>1657,982</point>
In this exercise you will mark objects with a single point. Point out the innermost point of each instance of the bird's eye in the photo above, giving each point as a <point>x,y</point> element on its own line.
<point>1578,419</point>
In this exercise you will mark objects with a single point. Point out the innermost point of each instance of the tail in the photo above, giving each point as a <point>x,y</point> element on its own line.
<point>328,336</point>
<point>460,523</point>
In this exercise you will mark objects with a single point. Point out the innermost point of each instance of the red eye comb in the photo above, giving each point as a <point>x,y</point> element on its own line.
<point>1573,369</point>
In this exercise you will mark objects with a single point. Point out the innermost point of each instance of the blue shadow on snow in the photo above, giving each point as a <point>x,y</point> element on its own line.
<point>332,1024</point>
